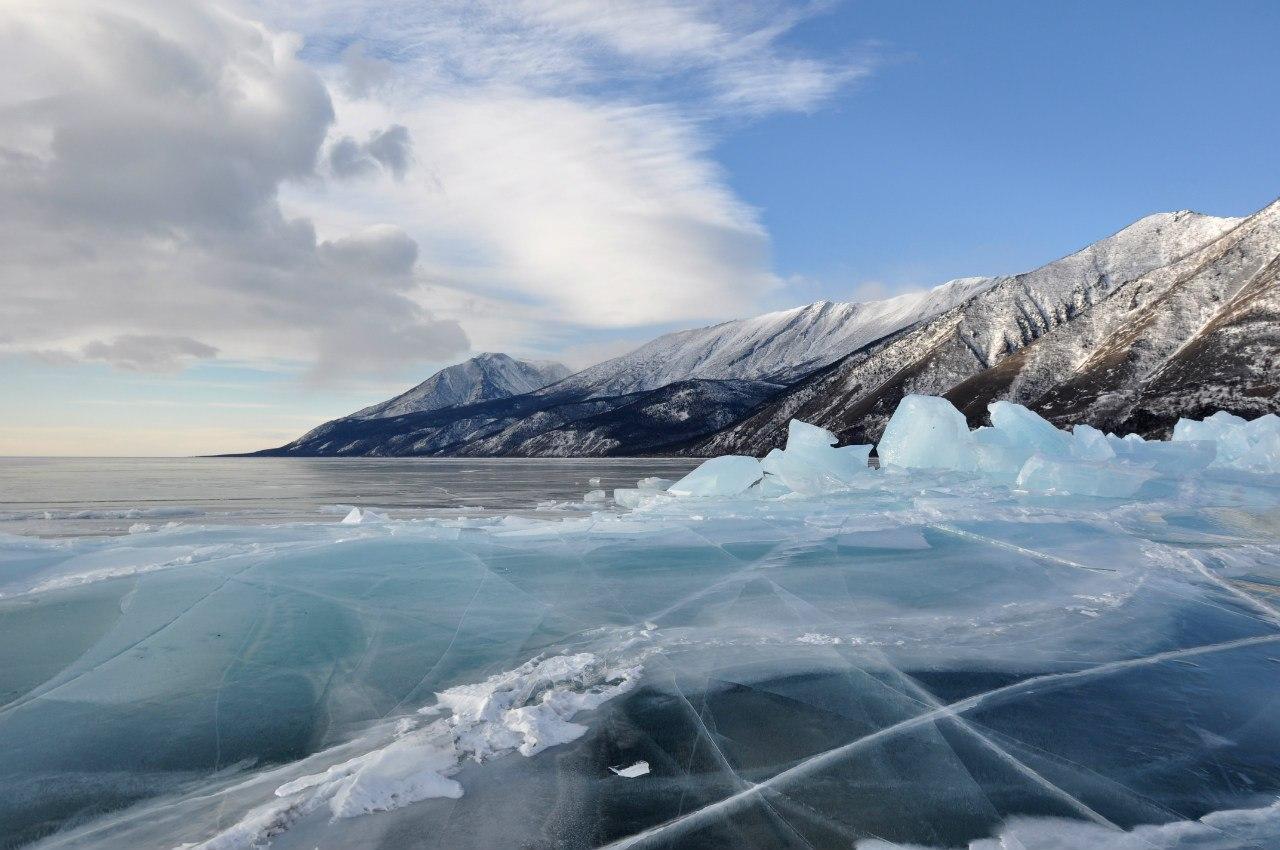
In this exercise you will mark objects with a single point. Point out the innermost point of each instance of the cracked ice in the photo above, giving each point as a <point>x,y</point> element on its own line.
<point>1009,636</point>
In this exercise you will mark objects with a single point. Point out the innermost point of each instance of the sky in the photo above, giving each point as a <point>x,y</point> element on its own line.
<point>224,223</point>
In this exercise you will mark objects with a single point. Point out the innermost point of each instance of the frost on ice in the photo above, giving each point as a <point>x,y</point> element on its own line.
<point>1007,636</point>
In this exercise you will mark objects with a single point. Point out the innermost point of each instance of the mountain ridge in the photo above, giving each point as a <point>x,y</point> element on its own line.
<point>1161,309</point>
<point>978,352</point>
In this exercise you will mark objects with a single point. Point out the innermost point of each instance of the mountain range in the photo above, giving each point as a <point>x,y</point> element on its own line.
<point>1176,315</point>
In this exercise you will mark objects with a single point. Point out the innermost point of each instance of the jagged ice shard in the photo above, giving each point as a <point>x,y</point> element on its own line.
<point>1013,636</point>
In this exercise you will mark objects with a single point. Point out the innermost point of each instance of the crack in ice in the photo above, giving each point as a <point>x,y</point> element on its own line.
<point>817,762</point>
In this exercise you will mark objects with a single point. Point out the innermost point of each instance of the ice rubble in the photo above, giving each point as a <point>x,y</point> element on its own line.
<point>1019,447</point>
<point>525,710</point>
<point>1249,445</point>
<point>631,497</point>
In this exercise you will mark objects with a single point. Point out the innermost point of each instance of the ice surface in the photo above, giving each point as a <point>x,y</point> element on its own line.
<point>1226,830</point>
<point>1023,638</point>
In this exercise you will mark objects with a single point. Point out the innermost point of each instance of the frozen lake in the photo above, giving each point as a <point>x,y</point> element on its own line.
<point>72,496</point>
<point>895,657</point>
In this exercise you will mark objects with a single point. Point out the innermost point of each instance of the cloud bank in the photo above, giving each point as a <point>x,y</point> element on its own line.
<point>180,181</point>
<point>142,150</point>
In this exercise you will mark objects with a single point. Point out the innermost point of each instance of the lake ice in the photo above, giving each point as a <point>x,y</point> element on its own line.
<point>1009,637</point>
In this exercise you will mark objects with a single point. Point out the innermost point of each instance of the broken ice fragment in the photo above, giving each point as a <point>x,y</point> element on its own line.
<point>357,516</point>
<point>595,496</point>
<point>1240,444</point>
<point>1090,444</point>
<point>927,432</point>
<point>1082,478</point>
<point>1027,429</point>
<point>640,768</point>
<point>811,464</point>
<point>1252,446</point>
<point>1172,459</point>
<point>726,475</point>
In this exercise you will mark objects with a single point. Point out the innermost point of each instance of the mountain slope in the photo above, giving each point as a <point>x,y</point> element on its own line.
<point>640,423</point>
<point>1232,363</point>
<point>769,350</point>
<point>982,343</point>
<point>482,378</point>
<point>1177,314</point>
<point>1198,335</point>
<point>537,425</point>
<point>778,347</point>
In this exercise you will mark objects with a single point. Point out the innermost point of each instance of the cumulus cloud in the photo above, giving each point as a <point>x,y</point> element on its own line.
<point>143,145</point>
<point>385,250</point>
<point>389,149</point>
<point>139,353</point>
<point>344,198</point>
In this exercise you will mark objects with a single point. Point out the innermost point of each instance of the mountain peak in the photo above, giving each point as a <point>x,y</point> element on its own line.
<point>486,376</point>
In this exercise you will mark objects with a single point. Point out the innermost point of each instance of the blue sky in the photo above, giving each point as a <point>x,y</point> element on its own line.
<point>998,135</point>
<point>291,210</point>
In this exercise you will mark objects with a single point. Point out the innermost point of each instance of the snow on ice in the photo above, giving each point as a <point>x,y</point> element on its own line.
<point>1006,636</point>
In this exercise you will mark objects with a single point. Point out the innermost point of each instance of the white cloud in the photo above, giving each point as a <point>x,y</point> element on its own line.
<point>139,353</point>
<point>586,213</point>
<point>728,51</point>
<point>389,149</point>
<point>176,182</point>
<point>143,144</point>
<point>562,149</point>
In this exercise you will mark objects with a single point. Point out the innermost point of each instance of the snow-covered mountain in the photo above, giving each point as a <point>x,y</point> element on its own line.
<point>777,347</point>
<point>487,377</point>
<point>482,378</point>
<point>1074,339</point>
<point>1177,314</point>
<point>720,368</point>
<point>535,425</point>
